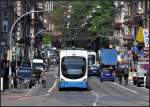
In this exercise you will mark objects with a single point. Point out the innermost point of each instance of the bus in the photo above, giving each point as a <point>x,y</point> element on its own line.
<point>91,58</point>
<point>73,72</point>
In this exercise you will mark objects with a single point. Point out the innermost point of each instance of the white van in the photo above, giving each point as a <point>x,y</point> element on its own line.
<point>38,65</point>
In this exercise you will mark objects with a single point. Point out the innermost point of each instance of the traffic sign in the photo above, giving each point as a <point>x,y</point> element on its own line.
<point>134,49</point>
<point>122,56</point>
<point>141,53</point>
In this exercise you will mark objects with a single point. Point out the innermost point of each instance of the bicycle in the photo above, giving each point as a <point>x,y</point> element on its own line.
<point>44,82</point>
<point>23,83</point>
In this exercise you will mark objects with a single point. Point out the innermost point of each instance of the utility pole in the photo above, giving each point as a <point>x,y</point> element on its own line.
<point>32,36</point>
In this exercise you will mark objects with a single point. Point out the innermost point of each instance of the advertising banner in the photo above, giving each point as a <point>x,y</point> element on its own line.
<point>140,35</point>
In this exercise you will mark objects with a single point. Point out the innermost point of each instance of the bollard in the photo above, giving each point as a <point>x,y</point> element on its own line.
<point>2,83</point>
<point>144,81</point>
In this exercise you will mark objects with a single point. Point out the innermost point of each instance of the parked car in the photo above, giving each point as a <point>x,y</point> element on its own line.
<point>25,77</point>
<point>147,84</point>
<point>107,74</point>
<point>93,70</point>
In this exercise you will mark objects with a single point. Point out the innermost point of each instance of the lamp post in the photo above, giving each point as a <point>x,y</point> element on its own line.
<point>33,41</point>
<point>10,40</point>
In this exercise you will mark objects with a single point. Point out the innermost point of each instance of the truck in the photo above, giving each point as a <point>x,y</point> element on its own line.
<point>108,62</point>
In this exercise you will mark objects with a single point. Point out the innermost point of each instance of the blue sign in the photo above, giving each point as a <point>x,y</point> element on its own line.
<point>134,49</point>
<point>141,53</point>
<point>122,56</point>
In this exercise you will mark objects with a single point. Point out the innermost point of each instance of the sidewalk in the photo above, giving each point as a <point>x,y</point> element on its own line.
<point>17,93</point>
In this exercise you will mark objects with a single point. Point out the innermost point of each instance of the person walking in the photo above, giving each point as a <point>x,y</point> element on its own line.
<point>119,73</point>
<point>126,74</point>
<point>5,68</point>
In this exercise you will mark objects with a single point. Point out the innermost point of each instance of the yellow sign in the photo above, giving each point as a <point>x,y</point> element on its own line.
<point>140,35</point>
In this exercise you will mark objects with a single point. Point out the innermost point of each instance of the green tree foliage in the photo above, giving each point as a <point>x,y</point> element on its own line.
<point>100,23</point>
<point>46,38</point>
<point>57,17</point>
<point>101,20</point>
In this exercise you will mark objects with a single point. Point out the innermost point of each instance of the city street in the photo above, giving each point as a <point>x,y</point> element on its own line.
<point>80,44</point>
<point>105,93</point>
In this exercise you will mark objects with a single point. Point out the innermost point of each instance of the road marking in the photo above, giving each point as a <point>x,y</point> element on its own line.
<point>36,87</point>
<point>125,88</point>
<point>97,96</point>
<point>56,76</point>
<point>54,85</point>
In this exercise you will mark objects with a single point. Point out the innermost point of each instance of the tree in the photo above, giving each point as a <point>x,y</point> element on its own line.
<point>101,22</point>
<point>46,38</point>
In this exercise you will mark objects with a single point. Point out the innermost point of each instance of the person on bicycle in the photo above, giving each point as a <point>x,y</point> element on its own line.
<point>126,74</point>
<point>44,76</point>
<point>119,73</point>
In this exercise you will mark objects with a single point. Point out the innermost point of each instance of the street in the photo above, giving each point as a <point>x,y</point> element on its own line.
<point>104,93</point>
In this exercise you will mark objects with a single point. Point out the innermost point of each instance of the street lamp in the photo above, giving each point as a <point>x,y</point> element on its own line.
<point>43,30</point>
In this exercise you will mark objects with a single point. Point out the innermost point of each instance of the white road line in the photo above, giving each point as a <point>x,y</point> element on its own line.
<point>125,88</point>
<point>56,76</point>
<point>54,85</point>
<point>97,96</point>
<point>36,87</point>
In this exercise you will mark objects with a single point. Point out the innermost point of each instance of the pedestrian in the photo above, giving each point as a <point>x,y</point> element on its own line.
<point>119,73</point>
<point>6,74</point>
<point>126,74</point>
<point>14,75</point>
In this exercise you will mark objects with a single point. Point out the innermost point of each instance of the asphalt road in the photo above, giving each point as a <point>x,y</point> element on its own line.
<point>105,93</point>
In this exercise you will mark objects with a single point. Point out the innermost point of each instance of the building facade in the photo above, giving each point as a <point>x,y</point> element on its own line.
<point>129,16</point>
<point>23,31</point>
<point>6,20</point>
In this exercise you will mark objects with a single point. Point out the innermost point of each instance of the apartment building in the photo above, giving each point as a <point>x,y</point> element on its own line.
<point>6,20</point>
